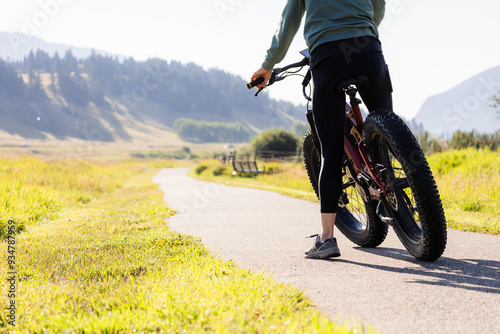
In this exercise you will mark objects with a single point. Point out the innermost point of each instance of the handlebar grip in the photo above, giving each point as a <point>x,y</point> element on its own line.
<point>254,83</point>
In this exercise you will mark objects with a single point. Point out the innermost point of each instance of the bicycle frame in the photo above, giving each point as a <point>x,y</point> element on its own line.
<point>359,153</point>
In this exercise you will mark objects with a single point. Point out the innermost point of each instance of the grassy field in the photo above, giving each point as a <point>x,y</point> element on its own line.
<point>468,181</point>
<point>95,255</point>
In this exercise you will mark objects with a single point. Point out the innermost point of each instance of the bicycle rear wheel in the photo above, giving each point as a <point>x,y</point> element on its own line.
<point>413,197</point>
<point>356,217</point>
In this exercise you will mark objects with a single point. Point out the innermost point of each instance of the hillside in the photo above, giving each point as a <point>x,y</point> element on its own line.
<point>105,99</point>
<point>465,107</point>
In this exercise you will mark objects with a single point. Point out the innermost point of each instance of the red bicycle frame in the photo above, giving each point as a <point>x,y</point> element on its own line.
<point>358,155</point>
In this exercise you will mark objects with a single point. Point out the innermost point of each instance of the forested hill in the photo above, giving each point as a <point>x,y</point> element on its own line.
<point>102,98</point>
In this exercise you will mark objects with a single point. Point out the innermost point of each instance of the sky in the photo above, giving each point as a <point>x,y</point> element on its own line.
<point>430,45</point>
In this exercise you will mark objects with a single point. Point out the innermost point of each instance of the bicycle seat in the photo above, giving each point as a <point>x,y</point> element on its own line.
<point>357,81</point>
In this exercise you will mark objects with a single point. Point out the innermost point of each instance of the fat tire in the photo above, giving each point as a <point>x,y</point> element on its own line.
<point>369,236</point>
<point>385,131</point>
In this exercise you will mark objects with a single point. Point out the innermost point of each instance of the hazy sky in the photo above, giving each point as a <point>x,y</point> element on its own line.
<point>430,45</point>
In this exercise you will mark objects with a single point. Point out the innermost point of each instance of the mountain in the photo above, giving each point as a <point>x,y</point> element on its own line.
<point>465,107</point>
<point>102,98</point>
<point>16,46</point>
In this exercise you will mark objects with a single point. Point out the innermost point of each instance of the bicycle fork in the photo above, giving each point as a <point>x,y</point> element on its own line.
<point>367,174</point>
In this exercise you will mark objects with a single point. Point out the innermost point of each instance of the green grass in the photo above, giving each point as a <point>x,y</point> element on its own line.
<point>110,264</point>
<point>468,181</point>
<point>34,191</point>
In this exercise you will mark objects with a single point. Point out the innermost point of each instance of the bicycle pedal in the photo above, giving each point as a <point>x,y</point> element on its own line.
<point>365,177</point>
<point>380,168</point>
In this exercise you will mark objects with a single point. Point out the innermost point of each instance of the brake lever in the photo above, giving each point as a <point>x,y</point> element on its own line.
<point>279,78</point>
<point>271,81</point>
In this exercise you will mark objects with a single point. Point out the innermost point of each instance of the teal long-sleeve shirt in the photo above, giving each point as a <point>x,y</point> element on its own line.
<point>326,21</point>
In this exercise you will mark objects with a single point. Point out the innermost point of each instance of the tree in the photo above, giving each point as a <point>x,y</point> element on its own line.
<point>211,132</point>
<point>69,62</point>
<point>74,88</point>
<point>461,140</point>
<point>431,144</point>
<point>275,142</point>
<point>10,82</point>
<point>29,62</point>
<point>35,85</point>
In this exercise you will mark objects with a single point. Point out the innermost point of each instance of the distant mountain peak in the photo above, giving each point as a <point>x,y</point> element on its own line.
<point>16,46</point>
<point>466,107</point>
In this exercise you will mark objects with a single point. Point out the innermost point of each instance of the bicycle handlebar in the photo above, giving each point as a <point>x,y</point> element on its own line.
<point>301,63</point>
<point>254,83</point>
<point>277,71</point>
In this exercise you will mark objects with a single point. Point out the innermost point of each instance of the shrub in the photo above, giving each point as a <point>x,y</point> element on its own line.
<point>219,170</point>
<point>276,141</point>
<point>473,206</point>
<point>200,168</point>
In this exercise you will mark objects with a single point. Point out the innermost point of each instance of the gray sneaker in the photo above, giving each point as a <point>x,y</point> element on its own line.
<point>323,250</point>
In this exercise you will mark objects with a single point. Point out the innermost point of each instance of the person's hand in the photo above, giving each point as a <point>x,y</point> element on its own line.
<point>266,74</point>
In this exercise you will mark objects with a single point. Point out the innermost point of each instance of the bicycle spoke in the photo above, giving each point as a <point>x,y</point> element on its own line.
<point>408,211</point>
<point>356,205</point>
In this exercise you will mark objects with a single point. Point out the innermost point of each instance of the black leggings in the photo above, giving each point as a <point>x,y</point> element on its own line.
<point>329,112</point>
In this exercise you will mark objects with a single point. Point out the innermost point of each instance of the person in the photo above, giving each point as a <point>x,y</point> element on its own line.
<point>343,41</point>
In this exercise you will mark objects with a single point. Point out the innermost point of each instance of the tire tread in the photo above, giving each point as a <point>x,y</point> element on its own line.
<point>408,152</point>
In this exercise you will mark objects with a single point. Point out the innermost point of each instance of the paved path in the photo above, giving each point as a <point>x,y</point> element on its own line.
<point>385,287</point>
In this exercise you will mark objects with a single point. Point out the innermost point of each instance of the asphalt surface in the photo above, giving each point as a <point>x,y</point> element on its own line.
<point>385,287</point>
